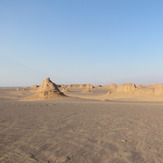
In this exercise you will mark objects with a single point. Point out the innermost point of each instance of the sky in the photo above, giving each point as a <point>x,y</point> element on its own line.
<point>81,41</point>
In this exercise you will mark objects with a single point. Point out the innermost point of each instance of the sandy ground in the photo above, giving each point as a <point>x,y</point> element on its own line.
<point>79,130</point>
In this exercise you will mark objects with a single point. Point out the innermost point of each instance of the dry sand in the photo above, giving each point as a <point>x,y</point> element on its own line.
<point>79,130</point>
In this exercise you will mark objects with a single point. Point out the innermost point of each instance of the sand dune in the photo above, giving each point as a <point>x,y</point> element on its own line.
<point>86,90</point>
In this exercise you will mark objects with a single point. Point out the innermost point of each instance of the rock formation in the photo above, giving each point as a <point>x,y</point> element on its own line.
<point>156,86</point>
<point>47,90</point>
<point>65,89</point>
<point>80,86</point>
<point>126,87</point>
<point>158,92</point>
<point>111,86</point>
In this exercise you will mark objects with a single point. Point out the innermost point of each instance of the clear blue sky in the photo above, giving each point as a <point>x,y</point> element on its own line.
<point>81,41</point>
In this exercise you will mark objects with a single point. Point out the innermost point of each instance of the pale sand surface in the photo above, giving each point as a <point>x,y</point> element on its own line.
<point>79,130</point>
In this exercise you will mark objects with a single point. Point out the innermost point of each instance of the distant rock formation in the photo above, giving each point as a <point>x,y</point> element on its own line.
<point>48,85</point>
<point>98,86</point>
<point>130,87</point>
<point>65,90</point>
<point>140,86</point>
<point>111,86</point>
<point>136,89</point>
<point>158,91</point>
<point>34,86</point>
<point>47,90</point>
<point>80,86</point>
<point>144,91</point>
<point>156,86</point>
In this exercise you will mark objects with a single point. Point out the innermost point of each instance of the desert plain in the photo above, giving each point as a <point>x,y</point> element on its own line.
<point>51,123</point>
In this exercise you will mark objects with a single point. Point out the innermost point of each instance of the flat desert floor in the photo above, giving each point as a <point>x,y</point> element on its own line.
<point>76,130</point>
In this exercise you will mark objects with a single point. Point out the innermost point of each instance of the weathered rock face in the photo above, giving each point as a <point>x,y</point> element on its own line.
<point>132,88</point>
<point>126,87</point>
<point>80,86</point>
<point>156,86</point>
<point>144,91</point>
<point>158,91</point>
<point>34,86</point>
<point>48,85</point>
<point>97,86</point>
<point>89,86</point>
<point>111,86</point>
<point>48,95</point>
<point>140,86</point>
<point>47,90</point>
<point>64,90</point>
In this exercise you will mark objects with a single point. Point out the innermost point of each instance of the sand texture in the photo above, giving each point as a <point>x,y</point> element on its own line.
<point>103,125</point>
<point>81,131</point>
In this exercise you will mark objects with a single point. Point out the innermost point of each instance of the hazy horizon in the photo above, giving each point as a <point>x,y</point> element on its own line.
<point>73,42</point>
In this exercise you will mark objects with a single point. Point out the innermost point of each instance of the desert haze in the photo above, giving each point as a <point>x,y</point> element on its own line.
<point>81,123</point>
